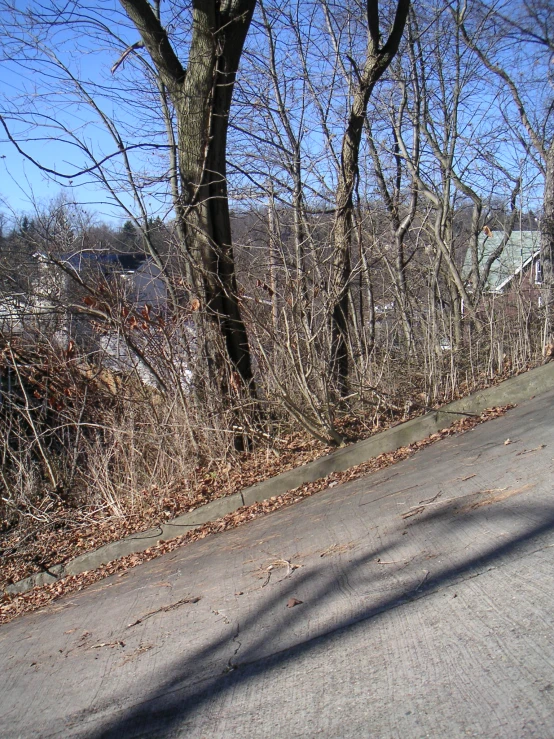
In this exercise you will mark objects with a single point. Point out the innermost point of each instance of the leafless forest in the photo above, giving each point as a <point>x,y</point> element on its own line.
<point>280,224</point>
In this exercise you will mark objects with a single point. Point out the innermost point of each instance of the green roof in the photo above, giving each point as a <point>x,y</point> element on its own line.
<point>519,251</point>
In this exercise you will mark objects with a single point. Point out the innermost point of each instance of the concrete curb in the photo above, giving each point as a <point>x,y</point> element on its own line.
<point>514,390</point>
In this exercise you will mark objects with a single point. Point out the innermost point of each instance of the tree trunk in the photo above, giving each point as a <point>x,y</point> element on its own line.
<point>273,259</point>
<point>547,246</point>
<point>401,290</point>
<point>201,96</point>
<point>202,123</point>
<point>456,316</point>
<point>377,60</point>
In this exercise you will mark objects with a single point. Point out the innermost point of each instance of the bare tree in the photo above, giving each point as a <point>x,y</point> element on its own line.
<point>400,215</point>
<point>530,24</point>
<point>194,105</point>
<point>201,96</point>
<point>440,85</point>
<point>378,57</point>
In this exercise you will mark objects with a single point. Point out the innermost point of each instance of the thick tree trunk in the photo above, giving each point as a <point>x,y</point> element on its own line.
<point>202,122</point>
<point>201,96</point>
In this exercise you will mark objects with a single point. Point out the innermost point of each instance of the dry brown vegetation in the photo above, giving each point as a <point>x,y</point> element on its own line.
<point>15,605</point>
<point>93,453</point>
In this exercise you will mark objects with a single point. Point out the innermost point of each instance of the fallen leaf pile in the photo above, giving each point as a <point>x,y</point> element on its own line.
<point>15,605</point>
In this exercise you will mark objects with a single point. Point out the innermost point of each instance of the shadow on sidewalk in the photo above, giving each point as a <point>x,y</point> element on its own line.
<point>172,702</point>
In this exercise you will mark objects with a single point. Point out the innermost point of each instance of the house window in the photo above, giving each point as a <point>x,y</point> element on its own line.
<point>538,272</point>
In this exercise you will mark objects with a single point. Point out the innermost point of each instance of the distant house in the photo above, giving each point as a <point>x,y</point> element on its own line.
<point>133,280</point>
<point>105,260</point>
<point>146,286</point>
<point>518,266</point>
<point>141,277</point>
<point>22,313</point>
<point>140,287</point>
<point>12,315</point>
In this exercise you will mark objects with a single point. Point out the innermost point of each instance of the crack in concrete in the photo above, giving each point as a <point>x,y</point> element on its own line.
<point>232,664</point>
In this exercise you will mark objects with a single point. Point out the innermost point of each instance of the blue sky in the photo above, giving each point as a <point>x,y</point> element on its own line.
<point>44,112</point>
<point>51,121</point>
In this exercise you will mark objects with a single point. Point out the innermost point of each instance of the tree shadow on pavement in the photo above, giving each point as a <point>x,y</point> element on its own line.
<point>205,674</point>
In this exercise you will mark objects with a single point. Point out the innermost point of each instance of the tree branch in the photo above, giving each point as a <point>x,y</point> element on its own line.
<point>156,41</point>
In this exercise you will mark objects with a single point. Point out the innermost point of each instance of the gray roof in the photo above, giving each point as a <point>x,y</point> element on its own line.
<point>520,250</point>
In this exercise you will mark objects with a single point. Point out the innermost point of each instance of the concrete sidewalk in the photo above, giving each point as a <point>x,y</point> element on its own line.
<point>416,602</point>
<point>511,391</point>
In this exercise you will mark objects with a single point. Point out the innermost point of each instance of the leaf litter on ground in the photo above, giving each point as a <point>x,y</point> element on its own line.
<point>13,605</point>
